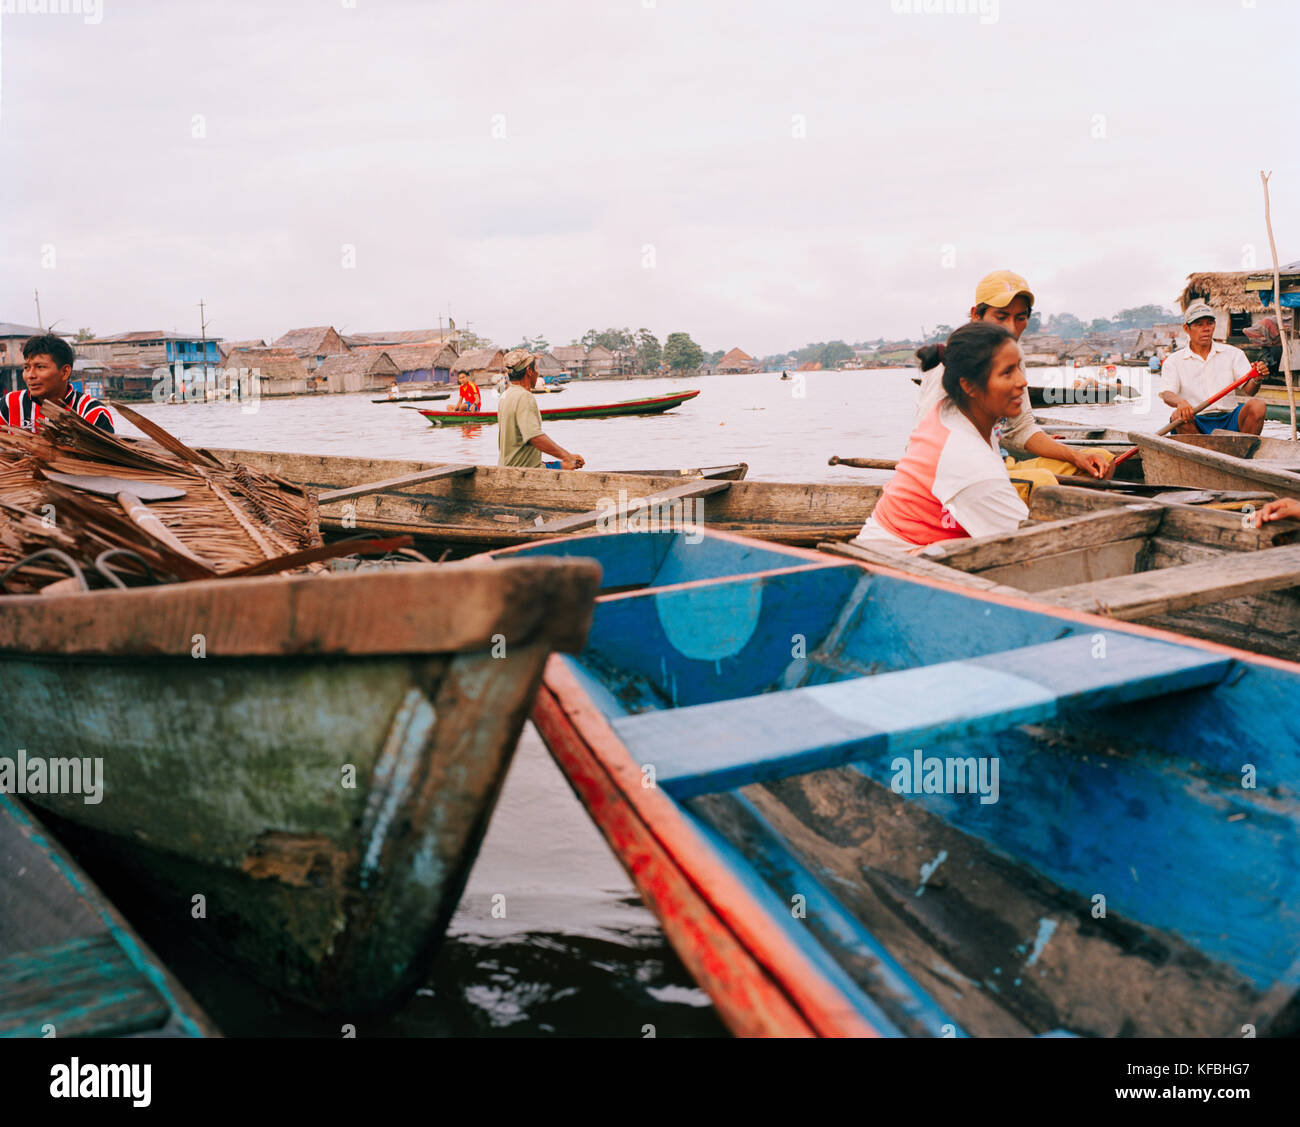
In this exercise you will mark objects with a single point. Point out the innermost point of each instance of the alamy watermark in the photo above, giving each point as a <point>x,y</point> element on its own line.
<point>35,774</point>
<point>987,10</point>
<point>220,385</point>
<point>91,11</point>
<point>929,774</point>
<point>683,514</point>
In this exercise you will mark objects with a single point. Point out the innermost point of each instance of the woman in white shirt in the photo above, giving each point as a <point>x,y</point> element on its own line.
<point>952,482</point>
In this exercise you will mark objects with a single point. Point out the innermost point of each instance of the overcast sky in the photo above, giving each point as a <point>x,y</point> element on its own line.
<point>758,174</point>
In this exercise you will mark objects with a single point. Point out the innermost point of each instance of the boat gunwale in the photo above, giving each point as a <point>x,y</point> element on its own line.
<point>330,615</point>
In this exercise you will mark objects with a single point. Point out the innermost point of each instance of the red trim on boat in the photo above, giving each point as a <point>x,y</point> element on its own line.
<point>760,981</point>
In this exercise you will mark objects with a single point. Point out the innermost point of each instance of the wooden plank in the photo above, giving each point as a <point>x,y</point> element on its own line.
<point>979,553</point>
<point>1081,565</point>
<point>731,743</point>
<point>1176,588</point>
<point>1168,462</point>
<point>83,987</point>
<point>616,513</point>
<point>395,483</point>
<point>914,565</point>
<point>400,611</point>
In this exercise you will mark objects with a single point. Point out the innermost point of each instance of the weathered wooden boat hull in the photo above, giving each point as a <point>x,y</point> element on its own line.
<point>495,507</point>
<point>652,405</point>
<point>70,965</point>
<point>738,737</point>
<point>1188,569</point>
<point>1187,461</point>
<point>305,767</point>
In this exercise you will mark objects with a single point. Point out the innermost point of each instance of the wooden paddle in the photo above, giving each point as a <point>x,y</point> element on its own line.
<point>1251,375</point>
<point>864,463</point>
<point>130,497</point>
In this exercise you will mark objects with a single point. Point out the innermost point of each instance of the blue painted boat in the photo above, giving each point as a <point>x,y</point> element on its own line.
<point>70,964</point>
<point>867,803</point>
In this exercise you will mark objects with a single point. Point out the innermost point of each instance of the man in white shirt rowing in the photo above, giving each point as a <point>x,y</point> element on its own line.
<point>1206,366</point>
<point>1004,298</point>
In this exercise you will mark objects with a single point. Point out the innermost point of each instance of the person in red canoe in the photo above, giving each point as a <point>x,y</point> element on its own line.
<point>471,399</point>
<point>952,481</point>
<point>47,372</point>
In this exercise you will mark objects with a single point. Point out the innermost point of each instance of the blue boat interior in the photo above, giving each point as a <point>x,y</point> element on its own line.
<point>973,818</point>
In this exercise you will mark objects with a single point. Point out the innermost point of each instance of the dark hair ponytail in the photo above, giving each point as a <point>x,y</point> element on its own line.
<point>930,355</point>
<point>969,354</point>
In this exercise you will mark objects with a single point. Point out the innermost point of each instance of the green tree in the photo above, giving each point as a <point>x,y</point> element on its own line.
<point>84,334</point>
<point>535,344</point>
<point>1065,325</point>
<point>469,341</point>
<point>682,354</point>
<point>1142,317</point>
<point>1035,323</point>
<point>940,334</point>
<point>834,354</point>
<point>649,353</point>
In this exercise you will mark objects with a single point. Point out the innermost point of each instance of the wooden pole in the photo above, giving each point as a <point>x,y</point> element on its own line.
<point>1277,304</point>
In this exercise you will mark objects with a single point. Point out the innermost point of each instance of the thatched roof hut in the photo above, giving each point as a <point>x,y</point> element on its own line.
<point>421,358</point>
<point>281,371</point>
<point>483,364</point>
<point>1225,292</point>
<point>737,361</point>
<point>319,340</point>
<point>357,371</point>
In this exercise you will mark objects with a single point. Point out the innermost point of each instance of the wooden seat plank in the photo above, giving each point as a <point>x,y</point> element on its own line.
<point>1177,588</point>
<point>731,743</point>
<point>695,488</point>
<point>978,553</point>
<point>333,495</point>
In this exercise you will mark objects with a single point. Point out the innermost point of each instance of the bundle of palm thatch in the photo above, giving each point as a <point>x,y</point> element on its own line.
<point>219,520</point>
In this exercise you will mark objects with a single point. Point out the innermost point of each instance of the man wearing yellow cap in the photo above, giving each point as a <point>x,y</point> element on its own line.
<point>1004,297</point>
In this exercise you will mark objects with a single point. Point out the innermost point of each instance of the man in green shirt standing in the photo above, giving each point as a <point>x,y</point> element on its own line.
<point>519,421</point>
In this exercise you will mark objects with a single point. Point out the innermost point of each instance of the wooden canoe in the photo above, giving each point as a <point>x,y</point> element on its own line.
<point>648,405</point>
<point>1209,462</point>
<point>743,726</point>
<point>477,508</point>
<point>1188,569</point>
<point>70,964</point>
<point>302,767</point>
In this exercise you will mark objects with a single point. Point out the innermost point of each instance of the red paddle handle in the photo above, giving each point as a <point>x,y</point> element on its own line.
<point>1251,375</point>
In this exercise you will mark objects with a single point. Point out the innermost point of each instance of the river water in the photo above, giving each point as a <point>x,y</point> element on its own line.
<point>576,952</point>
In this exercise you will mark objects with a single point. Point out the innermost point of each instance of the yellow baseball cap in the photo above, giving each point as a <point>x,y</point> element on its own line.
<point>1001,288</point>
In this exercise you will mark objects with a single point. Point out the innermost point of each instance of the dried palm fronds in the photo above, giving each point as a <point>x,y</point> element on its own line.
<point>231,517</point>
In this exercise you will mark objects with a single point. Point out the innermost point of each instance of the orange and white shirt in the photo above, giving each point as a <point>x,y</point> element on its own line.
<point>950,483</point>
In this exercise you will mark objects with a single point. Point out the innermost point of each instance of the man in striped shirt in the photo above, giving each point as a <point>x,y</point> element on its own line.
<point>47,372</point>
